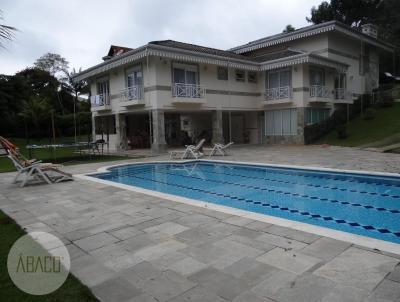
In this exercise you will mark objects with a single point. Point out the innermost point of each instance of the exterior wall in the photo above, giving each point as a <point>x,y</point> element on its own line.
<point>244,98</point>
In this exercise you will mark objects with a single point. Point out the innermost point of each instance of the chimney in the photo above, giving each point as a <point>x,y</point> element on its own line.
<point>370,30</point>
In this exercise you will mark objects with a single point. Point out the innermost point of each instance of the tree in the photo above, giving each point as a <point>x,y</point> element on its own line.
<point>52,63</point>
<point>288,29</point>
<point>351,12</point>
<point>6,31</point>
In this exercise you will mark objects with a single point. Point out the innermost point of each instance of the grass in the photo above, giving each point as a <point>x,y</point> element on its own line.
<point>66,156</point>
<point>72,290</point>
<point>362,132</point>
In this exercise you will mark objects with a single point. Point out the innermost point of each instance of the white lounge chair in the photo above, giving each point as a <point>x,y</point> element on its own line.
<point>47,172</point>
<point>220,149</point>
<point>191,151</point>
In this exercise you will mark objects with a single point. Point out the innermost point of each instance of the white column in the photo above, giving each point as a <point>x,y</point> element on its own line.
<point>217,135</point>
<point>159,144</point>
<point>93,128</point>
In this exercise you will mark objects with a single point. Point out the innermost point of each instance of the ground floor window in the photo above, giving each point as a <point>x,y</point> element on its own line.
<point>316,115</point>
<point>281,122</point>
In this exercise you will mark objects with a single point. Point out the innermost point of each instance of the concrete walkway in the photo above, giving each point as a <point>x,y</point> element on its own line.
<point>128,246</point>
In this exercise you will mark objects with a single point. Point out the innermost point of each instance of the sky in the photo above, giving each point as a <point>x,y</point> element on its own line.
<point>82,31</point>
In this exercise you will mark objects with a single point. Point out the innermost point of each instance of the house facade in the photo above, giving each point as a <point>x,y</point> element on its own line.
<point>168,93</point>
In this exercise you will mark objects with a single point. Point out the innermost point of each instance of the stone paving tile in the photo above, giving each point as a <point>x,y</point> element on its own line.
<point>250,297</point>
<point>167,286</point>
<point>224,285</point>
<point>160,249</point>
<point>270,286</point>
<point>305,288</point>
<point>345,293</point>
<point>282,242</point>
<point>198,294</point>
<point>168,228</point>
<point>250,271</point>
<point>292,234</point>
<point>115,290</point>
<point>95,241</point>
<point>122,262</point>
<point>187,266</point>
<point>196,236</point>
<point>387,290</point>
<point>294,262</point>
<point>164,262</point>
<point>125,232</point>
<point>195,220</point>
<point>257,244</point>
<point>108,252</point>
<point>358,268</point>
<point>258,225</point>
<point>74,251</point>
<point>237,220</point>
<point>325,248</point>
<point>395,274</point>
<point>137,243</point>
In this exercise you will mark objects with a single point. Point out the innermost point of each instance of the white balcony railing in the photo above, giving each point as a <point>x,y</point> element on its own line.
<point>132,93</point>
<point>188,90</point>
<point>100,100</point>
<point>318,91</point>
<point>340,93</point>
<point>278,93</point>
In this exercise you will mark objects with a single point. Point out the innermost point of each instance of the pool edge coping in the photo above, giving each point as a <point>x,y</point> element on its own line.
<point>368,242</point>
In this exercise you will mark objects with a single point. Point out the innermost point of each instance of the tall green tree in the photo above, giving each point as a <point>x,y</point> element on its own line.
<point>53,63</point>
<point>351,12</point>
<point>289,28</point>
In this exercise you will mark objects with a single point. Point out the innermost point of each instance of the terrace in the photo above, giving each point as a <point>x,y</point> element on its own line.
<point>127,246</point>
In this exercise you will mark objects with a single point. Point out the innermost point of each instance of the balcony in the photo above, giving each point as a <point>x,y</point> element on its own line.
<point>100,102</point>
<point>320,94</point>
<point>132,96</point>
<point>278,95</point>
<point>188,93</point>
<point>342,96</point>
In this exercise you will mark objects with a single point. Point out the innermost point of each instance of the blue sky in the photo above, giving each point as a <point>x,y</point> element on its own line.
<point>82,31</point>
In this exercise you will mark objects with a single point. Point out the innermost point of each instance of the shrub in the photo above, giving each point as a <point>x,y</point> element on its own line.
<point>386,101</point>
<point>369,114</point>
<point>341,131</point>
<point>340,117</point>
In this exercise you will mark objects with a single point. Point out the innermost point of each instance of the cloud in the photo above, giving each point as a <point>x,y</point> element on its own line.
<point>82,31</point>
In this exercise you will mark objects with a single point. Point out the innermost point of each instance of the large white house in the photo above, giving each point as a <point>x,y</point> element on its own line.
<point>166,93</point>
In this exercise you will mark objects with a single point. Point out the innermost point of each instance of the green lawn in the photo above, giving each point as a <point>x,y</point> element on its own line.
<point>66,156</point>
<point>72,290</point>
<point>361,132</point>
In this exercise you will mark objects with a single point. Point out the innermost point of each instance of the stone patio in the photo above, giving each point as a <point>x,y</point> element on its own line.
<point>128,246</point>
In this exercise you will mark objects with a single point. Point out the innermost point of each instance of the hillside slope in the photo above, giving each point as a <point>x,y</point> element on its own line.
<point>366,132</point>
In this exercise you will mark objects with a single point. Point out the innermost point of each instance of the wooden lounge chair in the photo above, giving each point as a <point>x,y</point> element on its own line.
<point>191,151</point>
<point>220,149</point>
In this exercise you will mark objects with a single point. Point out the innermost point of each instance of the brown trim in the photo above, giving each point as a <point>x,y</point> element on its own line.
<point>297,89</point>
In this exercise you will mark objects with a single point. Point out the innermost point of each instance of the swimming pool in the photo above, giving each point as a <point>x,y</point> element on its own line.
<point>366,205</point>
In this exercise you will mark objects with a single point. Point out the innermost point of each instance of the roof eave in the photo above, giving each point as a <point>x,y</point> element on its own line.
<point>311,31</point>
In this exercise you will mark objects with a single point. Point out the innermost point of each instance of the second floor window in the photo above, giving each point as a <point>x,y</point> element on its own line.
<point>278,78</point>
<point>134,77</point>
<point>185,74</point>
<point>103,86</point>
<point>240,75</point>
<point>317,76</point>
<point>222,73</point>
<point>252,77</point>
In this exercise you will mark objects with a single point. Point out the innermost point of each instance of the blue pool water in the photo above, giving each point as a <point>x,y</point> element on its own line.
<point>360,204</point>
